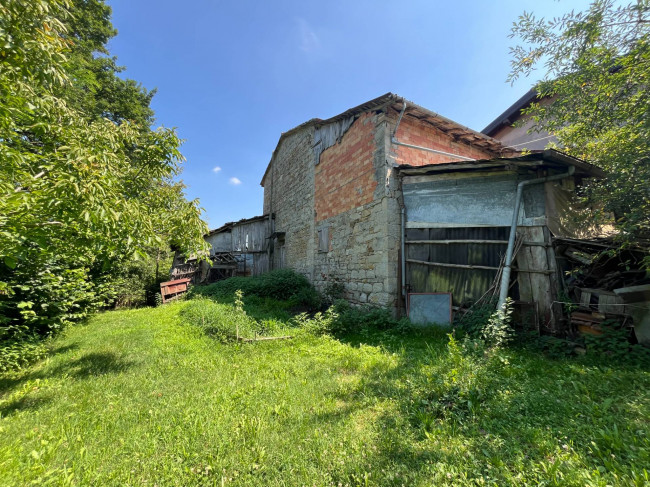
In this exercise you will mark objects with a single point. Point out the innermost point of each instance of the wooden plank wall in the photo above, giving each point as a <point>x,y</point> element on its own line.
<point>466,270</point>
<point>537,275</point>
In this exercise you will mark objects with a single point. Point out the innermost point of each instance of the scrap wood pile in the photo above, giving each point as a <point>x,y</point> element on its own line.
<point>596,282</point>
<point>222,265</point>
<point>184,271</point>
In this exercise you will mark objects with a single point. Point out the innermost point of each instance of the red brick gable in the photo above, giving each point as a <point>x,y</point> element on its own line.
<point>416,132</point>
<point>345,176</point>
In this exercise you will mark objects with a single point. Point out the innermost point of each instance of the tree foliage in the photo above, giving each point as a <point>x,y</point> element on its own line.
<point>596,71</point>
<point>85,184</point>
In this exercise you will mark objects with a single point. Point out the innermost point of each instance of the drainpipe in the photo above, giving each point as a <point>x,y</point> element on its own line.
<point>269,253</point>
<point>505,277</point>
<point>394,140</point>
<point>402,246</point>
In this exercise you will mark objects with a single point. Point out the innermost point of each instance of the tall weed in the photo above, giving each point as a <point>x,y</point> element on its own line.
<point>224,322</point>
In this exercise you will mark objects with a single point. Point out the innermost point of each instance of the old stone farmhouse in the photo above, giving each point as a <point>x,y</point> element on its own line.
<point>391,199</point>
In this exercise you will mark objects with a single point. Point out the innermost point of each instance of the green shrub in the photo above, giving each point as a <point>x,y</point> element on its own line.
<point>281,284</point>
<point>319,324</point>
<point>355,320</point>
<point>484,323</point>
<point>498,330</point>
<point>473,322</point>
<point>224,322</point>
<point>21,352</point>
<point>614,344</point>
<point>334,290</point>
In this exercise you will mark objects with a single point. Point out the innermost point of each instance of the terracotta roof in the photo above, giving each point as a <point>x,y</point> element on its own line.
<point>459,132</point>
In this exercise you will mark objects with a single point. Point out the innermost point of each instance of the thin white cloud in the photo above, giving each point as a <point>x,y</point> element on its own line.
<point>234,181</point>
<point>216,169</point>
<point>309,41</point>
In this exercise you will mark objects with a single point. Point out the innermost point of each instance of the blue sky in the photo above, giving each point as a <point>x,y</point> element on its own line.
<point>232,76</point>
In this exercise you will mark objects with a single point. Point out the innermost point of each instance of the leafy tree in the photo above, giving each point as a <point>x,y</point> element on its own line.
<point>77,189</point>
<point>596,68</point>
<point>95,87</point>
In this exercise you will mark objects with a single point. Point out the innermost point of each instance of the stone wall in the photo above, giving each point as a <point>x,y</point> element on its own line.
<point>357,208</point>
<point>353,197</point>
<point>289,193</point>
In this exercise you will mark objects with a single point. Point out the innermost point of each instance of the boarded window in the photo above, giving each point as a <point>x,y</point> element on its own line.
<point>324,239</point>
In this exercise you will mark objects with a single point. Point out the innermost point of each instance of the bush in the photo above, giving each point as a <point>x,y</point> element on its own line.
<point>614,344</point>
<point>333,291</point>
<point>355,320</point>
<point>224,322</point>
<point>281,284</point>
<point>21,352</point>
<point>484,323</point>
<point>473,322</point>
<point>319,324</point>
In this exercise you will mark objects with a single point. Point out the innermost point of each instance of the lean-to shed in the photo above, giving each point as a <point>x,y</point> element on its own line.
<point>458,218</point>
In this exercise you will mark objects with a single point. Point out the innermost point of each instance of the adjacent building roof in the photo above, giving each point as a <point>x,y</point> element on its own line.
<point>549,158</point>
<point>511,114</point>
<point>227,227</point>
<point>458,132</point>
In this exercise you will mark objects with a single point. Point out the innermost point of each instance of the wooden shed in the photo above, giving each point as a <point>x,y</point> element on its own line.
<point>458,218</point>
<point>246,241</point>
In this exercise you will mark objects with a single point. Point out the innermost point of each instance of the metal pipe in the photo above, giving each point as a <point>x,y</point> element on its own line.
<point>435,151</point>
<point>402,238</point>
<point>399,120</point>
<point>505,277</point>
<point>393,139</point>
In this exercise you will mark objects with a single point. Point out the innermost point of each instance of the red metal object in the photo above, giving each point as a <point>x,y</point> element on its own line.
<point>172,289</point>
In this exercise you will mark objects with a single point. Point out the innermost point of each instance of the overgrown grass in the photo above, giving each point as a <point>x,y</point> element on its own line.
<point>142,398</point>
<point>279,285</point>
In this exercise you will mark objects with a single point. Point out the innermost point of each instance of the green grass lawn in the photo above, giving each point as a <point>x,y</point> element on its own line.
<point>138,398</point>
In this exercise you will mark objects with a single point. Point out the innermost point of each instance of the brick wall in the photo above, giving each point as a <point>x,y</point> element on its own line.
<point>353,192</point>
<point>354,203</point>
<point>416,132</point>
<point>345,176</point>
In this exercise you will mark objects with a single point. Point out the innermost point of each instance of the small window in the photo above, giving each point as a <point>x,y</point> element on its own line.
<point>324,239</point>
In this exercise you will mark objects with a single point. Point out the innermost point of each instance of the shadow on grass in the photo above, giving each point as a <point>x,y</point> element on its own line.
<point>87,366</point>
<point>62,349</point>
<point>13,379</point>
<point>547,414</point>
<point>92,365</point>
<point>26,403</point>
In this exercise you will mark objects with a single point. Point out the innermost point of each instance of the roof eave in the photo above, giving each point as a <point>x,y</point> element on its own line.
<point>550,155</point>
<point>512,110</point>
<point>230,225</point>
